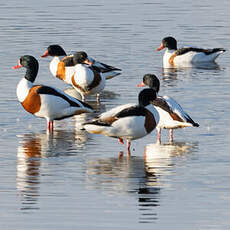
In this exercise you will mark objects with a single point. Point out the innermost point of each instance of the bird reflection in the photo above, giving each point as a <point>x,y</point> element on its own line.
<point>158,159</point>
<point>32,148</point>
<point>200,65</point>
<point>170,74</point>
<point>126,175</point>
<point>28,173</point>
<point>114,173</point>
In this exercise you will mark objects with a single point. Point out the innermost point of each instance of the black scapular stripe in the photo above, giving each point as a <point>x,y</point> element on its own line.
<point>132,111</point>
<point>52,91</point>
<point>68,61</point>
<point>206,51</point>
<point>108,68</point>
<point>97,122</point>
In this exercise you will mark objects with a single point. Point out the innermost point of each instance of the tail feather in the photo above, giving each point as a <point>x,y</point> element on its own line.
<point>196,125</point>
<point>190,120</point>
<point>220,50</point>
<point>96,127</point>
<point>110,68</point>
<point>215,50</point>
<point>96,122</point>
<point>86,105</point>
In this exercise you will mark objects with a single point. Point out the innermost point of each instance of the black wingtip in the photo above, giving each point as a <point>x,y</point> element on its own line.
<point>86,105</point>
<point>96,122</point>
<point>224,50</point>
<point>196,125</point>
<point>219,49</point>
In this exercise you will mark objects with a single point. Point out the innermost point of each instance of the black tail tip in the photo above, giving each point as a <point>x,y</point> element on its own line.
<point>196,125</point>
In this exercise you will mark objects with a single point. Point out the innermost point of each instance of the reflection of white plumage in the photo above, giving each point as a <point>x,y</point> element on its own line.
<point>33,147</point>
<point>120,175</point>
<point>159,157</point>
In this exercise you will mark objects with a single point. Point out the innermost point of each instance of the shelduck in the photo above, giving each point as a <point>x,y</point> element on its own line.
<point>86,79</point>
<point>185,57</point>
<point>129,121</point>
<point>172,116</point>
<point>45,101</point>
<point>62,66</point>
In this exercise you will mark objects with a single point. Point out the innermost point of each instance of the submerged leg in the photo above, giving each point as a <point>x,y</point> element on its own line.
<point>120,155</point>
<point>158,135</point>
<point>128,147</point>
<point>171,135</point>
<point>98,98</point>
<point>50,126</point>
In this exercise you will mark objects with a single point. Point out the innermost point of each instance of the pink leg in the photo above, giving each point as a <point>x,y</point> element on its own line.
<point>120,140</point>
<point>159,135</point>
<point>171,135</point>
<point>50,126</point>
<point>128,147</point>
<point>120,155</point>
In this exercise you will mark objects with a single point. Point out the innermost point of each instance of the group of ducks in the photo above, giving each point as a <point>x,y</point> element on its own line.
<point>88,76</point>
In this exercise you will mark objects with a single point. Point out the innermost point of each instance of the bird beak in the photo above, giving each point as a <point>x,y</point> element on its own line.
<point>142,84</point>
<point>45,54</point>
<point>161,47</point>
<point>18,65</point>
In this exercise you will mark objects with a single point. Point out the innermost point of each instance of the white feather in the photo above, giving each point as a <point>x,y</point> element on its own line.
<point>114,111</point>
<point>84,76</point>
<point>166,120</point>
<point>189,58</point>
<point>69,70</point>
<point>23,89</point>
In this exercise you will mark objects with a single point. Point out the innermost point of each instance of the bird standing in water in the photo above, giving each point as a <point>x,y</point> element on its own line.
<point>45,101</point>
<point>129,122</point>
<point>172,116</point>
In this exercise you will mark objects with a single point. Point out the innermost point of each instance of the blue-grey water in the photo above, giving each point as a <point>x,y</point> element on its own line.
<point>73,180</point>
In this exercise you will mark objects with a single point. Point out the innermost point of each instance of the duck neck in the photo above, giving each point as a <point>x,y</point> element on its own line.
<point>154,85</point>
<point>144,103</point>
<point>23,89</point>
<point>31,74</point>
<point>54,64</point>
<point>26,82</point>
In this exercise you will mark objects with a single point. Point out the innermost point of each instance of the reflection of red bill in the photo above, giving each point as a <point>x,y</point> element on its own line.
<point>18,65</point>
<point>142,84</point>
<point>160,48</point>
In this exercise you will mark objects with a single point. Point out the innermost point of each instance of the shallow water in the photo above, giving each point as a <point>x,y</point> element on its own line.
<point>74,180</point>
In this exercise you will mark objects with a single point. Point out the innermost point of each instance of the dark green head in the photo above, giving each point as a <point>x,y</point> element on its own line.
<point>146,96</point>
<point>54,50</point>
<point>152,81</point>
<point>32,66</point>
<point>80,57</point>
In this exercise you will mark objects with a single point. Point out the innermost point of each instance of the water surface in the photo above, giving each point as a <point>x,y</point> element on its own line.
<point>74,180</point>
